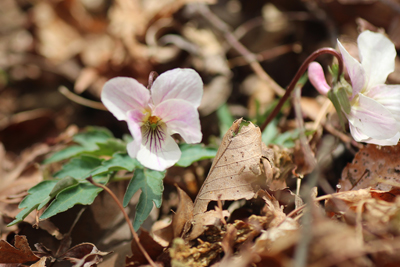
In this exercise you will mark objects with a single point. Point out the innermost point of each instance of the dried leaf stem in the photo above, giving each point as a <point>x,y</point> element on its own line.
<point>233,41</point>
<point>134,234</point>
<point>80,100</point>
<point>300,72</point>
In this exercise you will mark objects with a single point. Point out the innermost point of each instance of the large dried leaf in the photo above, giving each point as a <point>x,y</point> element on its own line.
<point>21,253</point>
<point>234,169</point>
<point>373,166</point>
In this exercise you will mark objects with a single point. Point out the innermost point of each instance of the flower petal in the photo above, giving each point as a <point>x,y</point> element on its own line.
<point>385,142</point>
<point>357,134</point>
<point>122,94</point>
<point>377,54</point>
<point>373,119</point>
<point>317,78</point>
<point>388,96</point>
<point>183,84</point>
<point>360,137</point>
<point>355,70</point>
<point>134,120</point>
<point>163,158</point>
<point>180,117</point>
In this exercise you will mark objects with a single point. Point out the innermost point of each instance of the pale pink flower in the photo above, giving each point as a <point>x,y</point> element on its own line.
<point>169,107</point>
<point>375,107</point>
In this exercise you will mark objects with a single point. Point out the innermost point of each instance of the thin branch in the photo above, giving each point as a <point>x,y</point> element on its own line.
<point>232,40</point>
<point>305,146</point>
<point>266,55</point>
<point>134,234</point>
<point>80,100</point>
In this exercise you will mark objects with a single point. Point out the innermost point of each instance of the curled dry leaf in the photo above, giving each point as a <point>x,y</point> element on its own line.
<point>373,166</point>
<point>281,164</point>
<point>85,254</point>
<point>234,169</point>
<point>183,214</point>
<point>20,253</point>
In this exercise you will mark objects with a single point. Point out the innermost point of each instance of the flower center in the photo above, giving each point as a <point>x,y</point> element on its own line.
<point>153,132</point>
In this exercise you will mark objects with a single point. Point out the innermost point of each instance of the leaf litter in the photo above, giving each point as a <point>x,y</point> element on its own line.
<point>244,212</point>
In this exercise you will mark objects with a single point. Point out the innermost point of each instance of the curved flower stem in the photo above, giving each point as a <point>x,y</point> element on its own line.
<point>134,234</point>
<point>292,85</point>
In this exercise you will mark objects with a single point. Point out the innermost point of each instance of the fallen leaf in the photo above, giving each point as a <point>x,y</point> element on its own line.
<point>85,254</point>
<point>184,213</point>
<point>152,248</point>
<point>234,169</point>
<point>41,263</point>
<point>373,166</point>
<point>21,253</point>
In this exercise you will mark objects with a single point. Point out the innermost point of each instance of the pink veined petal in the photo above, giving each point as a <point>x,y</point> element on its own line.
<point>161,159</point>
<point>183,84</point>
<point>355,70</point>
<point>360,137</point>
<point>384,142</point>
<point>317,78</point>
<point>357,134</point>
<point>134,119</point>
<point>180,117</point>
<point>373,119</point>
<point>377,55</point>
<point>122,94</point>
<point>388,96</point>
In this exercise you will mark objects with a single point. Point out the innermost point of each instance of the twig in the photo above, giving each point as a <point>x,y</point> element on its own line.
<point>134,234</point>
<point>232,40</point>
<point>305,146</point>
<point>266,55</point>
<point>299,73</point>
<point>80,100</point>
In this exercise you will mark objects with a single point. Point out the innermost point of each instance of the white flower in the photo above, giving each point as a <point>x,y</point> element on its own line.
<point>374,116</point>
<point>169,107</point>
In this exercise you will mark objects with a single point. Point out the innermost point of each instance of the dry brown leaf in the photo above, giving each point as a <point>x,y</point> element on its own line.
<point>21,253</point>
<point>373,166</point>
<point>183,214</point>
<point>281,161</point>
<point>41,263</point>
<point>234,169</point>
<point>85,254</point>
<point>150,246</point>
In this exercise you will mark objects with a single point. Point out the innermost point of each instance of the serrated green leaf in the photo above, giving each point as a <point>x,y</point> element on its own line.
<point>193,153</point>
<point>109,147</point>
<point>62,184</point>
<point>65,154</point>
<point>88,142</point>
<point>38,196</point>
<point>92,136</point>
<point>79,168</point>
<point>83,193</point>
<point>119,161</point>
<point>151,184</point>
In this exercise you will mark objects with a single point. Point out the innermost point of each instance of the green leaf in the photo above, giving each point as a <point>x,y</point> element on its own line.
<point>79,168</point>
<point>270,132</point>
<point>151,184</point>
<point>38,195</point>
<point>82,193</point>
<point>88,142</point>
<point>193,153</point>
<point>225,118</point>
<point>119,161</point>
<point>109,147</point>
<point>62,184</point>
